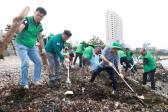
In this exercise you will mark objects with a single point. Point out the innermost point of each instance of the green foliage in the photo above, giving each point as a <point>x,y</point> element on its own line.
<point>97,42</point>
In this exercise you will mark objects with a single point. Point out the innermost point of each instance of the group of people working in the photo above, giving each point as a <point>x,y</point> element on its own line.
<point>110,58</point>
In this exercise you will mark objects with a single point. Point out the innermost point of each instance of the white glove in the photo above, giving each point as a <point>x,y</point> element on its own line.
<point>43,51</point>
<point>111,64</point>
<point>37,43</point>
<point>66,60</point>
<point>121,75</point>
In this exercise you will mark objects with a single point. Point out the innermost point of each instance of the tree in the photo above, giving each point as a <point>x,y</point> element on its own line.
<point>97,42</point>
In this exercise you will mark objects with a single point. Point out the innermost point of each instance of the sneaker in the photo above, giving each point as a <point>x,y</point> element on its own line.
<point>113,92</point>
<point>37,83</point>
<point>91,80</point>
<point>50,83</point>
<point>153,90</point>
<point>72,66</point>
<point>145,86</point>
<point>26,86</point>
<point>57,83</point>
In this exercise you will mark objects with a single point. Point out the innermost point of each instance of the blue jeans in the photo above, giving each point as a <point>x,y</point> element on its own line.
<point>25,54</point>
<point>110,71</point>
<point>54,64</point>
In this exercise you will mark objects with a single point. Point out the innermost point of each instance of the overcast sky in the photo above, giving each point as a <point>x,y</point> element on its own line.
<point>143,20</point>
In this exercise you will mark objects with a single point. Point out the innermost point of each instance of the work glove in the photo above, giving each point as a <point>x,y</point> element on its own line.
<point>66,60</point>
<point>111,64</point>
<point>138,62</point>
<point>43,51</point>
<point>121,75</point>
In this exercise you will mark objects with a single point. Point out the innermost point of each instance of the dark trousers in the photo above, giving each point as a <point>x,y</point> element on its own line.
<point>80,59</point>
<point>110,71</point>
<point>151,76</point>
<point>71,56</point>
<point>86,61</point>
<point>124,60</point>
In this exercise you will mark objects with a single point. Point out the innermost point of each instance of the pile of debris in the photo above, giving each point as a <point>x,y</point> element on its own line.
<point>87,97</point>
<point>92,97</point>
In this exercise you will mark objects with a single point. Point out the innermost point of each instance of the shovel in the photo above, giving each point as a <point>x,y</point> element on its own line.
<point>136,96</point>
<point>68,81</point>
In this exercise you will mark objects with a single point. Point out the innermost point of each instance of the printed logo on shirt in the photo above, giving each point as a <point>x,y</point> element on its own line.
<point>58,43</point>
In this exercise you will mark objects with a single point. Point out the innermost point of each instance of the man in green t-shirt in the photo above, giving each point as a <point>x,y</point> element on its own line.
<point>130,60</point>
<point>123,58</point>
<point>27,34</point>
<point>79,52</point>
<point>53,51</point>
<point>87,55</point>
<point>149,67</point>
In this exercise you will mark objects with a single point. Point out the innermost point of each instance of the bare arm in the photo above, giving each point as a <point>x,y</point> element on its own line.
<point>119,68</point>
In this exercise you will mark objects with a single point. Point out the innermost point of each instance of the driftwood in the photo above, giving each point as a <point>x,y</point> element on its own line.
<point>11,32</point>
<point>44,60</point>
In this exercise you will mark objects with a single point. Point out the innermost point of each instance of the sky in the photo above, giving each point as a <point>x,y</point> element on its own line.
<point>143,20</point>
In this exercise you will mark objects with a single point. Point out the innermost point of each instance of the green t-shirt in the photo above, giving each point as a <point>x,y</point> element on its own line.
<point>88,52</point>
<point>129,55</point>
<point>30,33</point>
<point>149,62</point>
<point>121,53</point>
<point>80,48</point>
<point>55,45</point>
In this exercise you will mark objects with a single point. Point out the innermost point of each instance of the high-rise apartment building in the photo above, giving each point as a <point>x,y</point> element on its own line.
<point>114,30</point>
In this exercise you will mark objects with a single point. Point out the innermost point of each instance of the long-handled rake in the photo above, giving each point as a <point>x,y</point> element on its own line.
<point>136,96</point>
<point>68,81</point>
